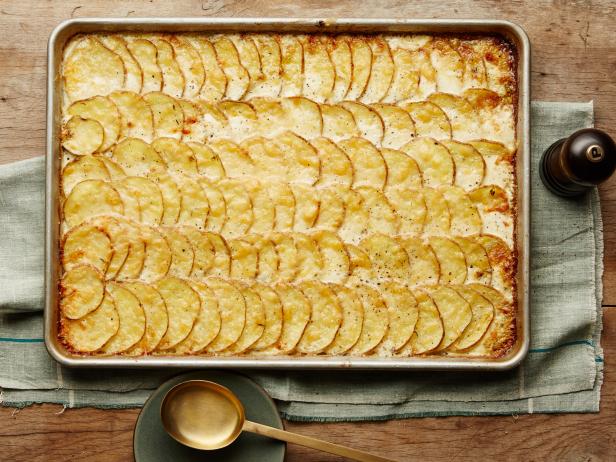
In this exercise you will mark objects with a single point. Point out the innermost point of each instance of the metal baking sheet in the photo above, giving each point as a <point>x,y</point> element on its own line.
<point>64,31</point>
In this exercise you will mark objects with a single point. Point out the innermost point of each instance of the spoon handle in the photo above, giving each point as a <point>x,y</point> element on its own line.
<point>313,443</point>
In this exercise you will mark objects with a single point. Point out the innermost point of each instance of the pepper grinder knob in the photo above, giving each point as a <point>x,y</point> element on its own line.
<point>572,166</point>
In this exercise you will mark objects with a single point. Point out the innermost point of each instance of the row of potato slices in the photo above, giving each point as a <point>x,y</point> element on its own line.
<point>226,317</point>
<point>96,123</point>
<point>323,68</point>
<point>124,250</point>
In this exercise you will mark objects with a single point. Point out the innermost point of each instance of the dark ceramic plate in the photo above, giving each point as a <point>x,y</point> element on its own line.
<point>151,443</point>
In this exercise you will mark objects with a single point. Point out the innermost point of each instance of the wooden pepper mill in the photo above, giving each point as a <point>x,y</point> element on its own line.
<point>572,166</point>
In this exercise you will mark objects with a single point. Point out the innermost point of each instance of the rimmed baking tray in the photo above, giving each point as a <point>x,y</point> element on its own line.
<point>64,31</point>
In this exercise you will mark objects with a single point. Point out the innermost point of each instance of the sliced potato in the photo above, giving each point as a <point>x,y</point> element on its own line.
<point>215,83</point>
<point>382,72</point>
<point>451,260</point>
<point>239,208</point>
<point>244,259</point>
<point>465,122</point>
<point>398,127</point>
<point>389,258</point>
<point>475,73</point>
<point>499,168</point>
<point>86,244</point>
<point>157,255</point>
<point>272,307</point>
<point>427,73</point>
<point>405,81</point>
<point>133,264</point>
<point>134,74</point>
<point>208,323</point>
<point>383,217</point>
<point>342,59</point>
<point>182,253</point>
<point>167,114</point>
<point>136,115</point>
<point>438,217</point>
<point>82,136</point>
<point>292,65</point>
<point>361,266</point>
<point>237,78</point>
<point>477,263</point>
<point>222,255</point>
<point>303,116</point>
<point>402,170</point>
<point>306,207</point>
<point>465,218</point>
<point>429,329</point>
<point>430,120</point>
<point>255,322</point>
<point>296,313</point>
<point>304,162</point>
<point>501,260</point>
<point>470,166</point>
<point>211,123</point>
<point>89,199</point>
<point>336,167</point>
<point>92,69</point>
<point>263,208</point>
<point>325,318</point>
<point>319,71</point>
<point>232,306</point>
<point>217,214</point>
<point>483,313</point>
<point>271,117</point>
<point>361,54</point>
<point>81,169</point>
<point>309,258</point>
<point>92,331</point>
<point>82,289</point>
<point>178,156</point>
<point>145,54</point>
<point>249,58</point>
<point>269,160</point>
<point>368,121</point>
<point>155,310</point>
<point>434,160</point>
<point>208,162</point>
<point>338,123</point>
<point>368,163</point>
<point>183,307</point>
<point>270,57</point>
<point>137,158</point>
<point>119,241</point>
<point>173,78</point>
<point>132,321</point>
<point>235,159</point>
<point>203,248</point>
<point>129,200</point>
<point>115,171</point>
<point>105,112</point>
<point>352,321</point>
<point>241,118</point>
<point>496,115</point>
<point>410,207</point>
<point>449,65</point>
<point>284,203</point>
<point>412,42</point>
<point>425,268</point>
<point>268,257</point>
<point>455,312</point>
<point>190,65</point>
<point>336,262</point>
<point>149,197</point>
<point>172,198</point>
<point>331,210</point>
<point>490,198</point>
<point>287,256</point>
<point>403,313</point>
<point>356,216</point>
<point>376,321</point>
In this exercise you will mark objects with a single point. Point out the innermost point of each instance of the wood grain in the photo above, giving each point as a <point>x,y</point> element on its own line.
<point>574,59</point>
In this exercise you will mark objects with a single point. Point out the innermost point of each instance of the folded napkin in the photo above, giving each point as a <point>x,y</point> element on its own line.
<point>563,371</point>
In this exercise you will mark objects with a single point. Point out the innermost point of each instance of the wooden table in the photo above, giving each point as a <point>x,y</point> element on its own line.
<point>574,59</point>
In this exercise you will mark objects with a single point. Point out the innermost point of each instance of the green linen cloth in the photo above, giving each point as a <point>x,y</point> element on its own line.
<point>563,371</point>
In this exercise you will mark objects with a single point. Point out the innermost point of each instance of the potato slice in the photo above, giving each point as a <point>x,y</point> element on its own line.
<point>92,69</point>
<point>81,169</point>
<point>133,264</point>
<point>425,268</point>
<point>306,207</point>
<point>319,71</point>
<point>132,321</point>
<point>376,321</point>
<point>237,77</point>
<point>91,332</point>
<point>451,260</point>
<point>195,205</point>
<point>368,163</point>
<point>115,171</point>
<point>429,329</point>
<point>89,199</point>
<point>157,255</point>
<point>477,263</point>
<point>493,205</point>
<point>389,258</point>
<point>132,210</point>
<point>155,310</point>
<point>498,61</point>
<point>244,259</point>
<point>208,323</point>
<point>352,321</point>
<point>134,74</point>
<point>235,159</point>
<point>183,307</point>
<point>430,120</point>
<point>178,156</point>
<point>104,111</point>
<point>368,121</point>
<point>287,256</point>
<point>336,167</point>
<point>86,244</point>
<point>449,65</point>
<point>475,73</point>
<point>499,168</point>
<point>173,78</point>
<point>403,313</point>
<point>382,72</point>
<point>360,265</point>
<point>465,218</point>
<point>331,210</point>
<point>304,162</point>
<point>465,122</point>
<point>255,322</point>
<point>334,256</point>
<point>215,83</point>
<point>410,207</point>
<point>325,318</point>
<point>483,313</point>
<point>270,57</point>
<point>455,312</point>
<point>211,123</point>
<point>438,217</point>
<point>356,216</point>
<point>232,305</point>
<point>496,115</point>
<point>383,217</point>
<point>412,42</point>
<point>119,241</point>
<point>402,170</point>
<point>272,307</point>
<point>167,114</point>
<point>145,54</point>
<point>217,207</point>
<point>405,81</point>
<point>249,58</point>
<point>427,73</point>
<point>269,160</point>
<point>361,54</point>
<point>204,251</point>
<point>208,162</point>
<point>268,257</point>
<point>470,166</point>
<point>172,199</point>
<point>222,255</point>
<point>292,65</point>
<point>136,115</point>
<point>190,65</point>
<point>434,161</point>
<point>309,259</point>
<point>284,203</point>
<point>398,127</point>
<point>241,118</point>
<point>263,208</point>
<point>338,123</point>
<point>82,289</point>
<point>342,59</point>
<point>149,197</point>
<point>239,208</point>
<point>501,259</point>
<point>303,117</point>
<point>182,253</point>
<point>296,313</point>
<point>137,158</point>
<point>82,136</point>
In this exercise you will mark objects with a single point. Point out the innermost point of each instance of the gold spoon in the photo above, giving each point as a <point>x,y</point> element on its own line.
<point>205,415</point>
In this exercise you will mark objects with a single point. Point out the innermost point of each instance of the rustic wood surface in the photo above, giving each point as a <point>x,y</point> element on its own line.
<point>574,59</point>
